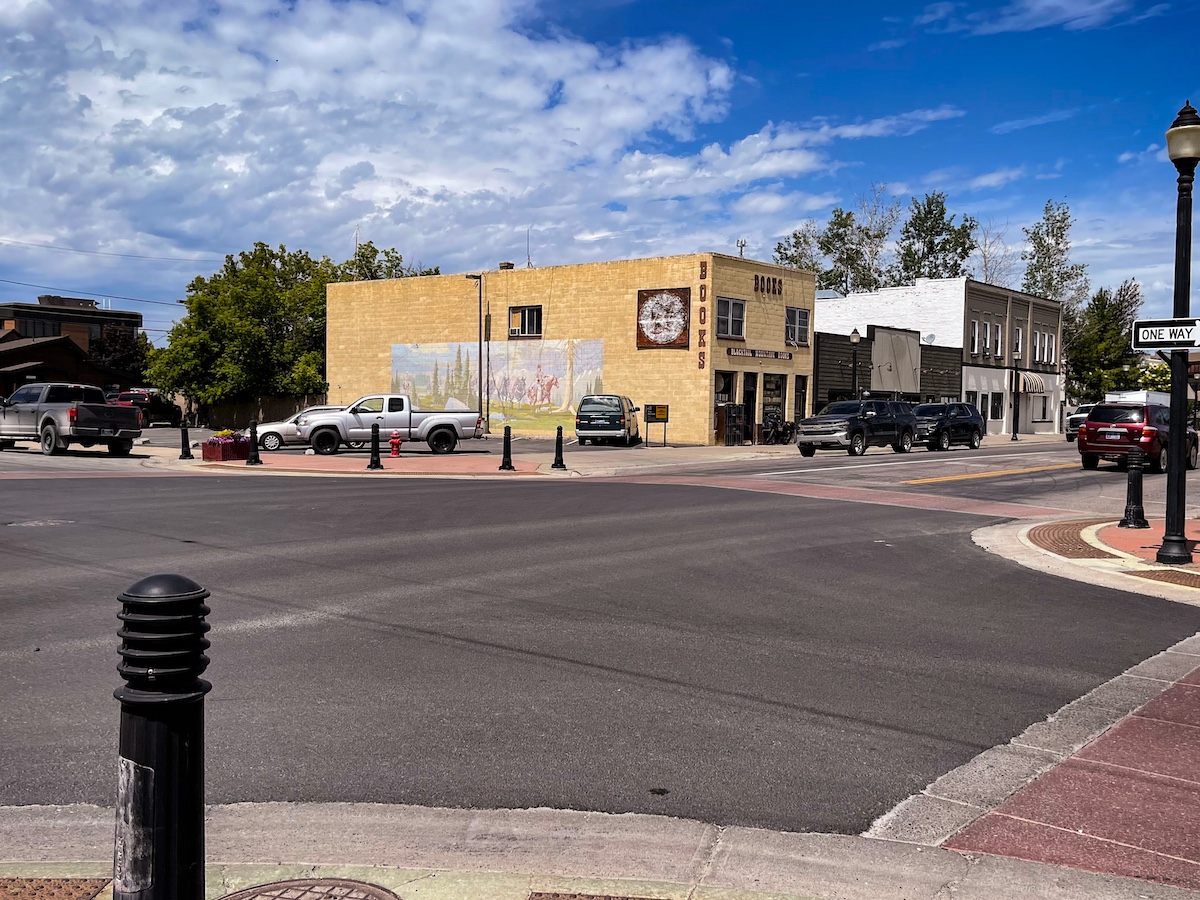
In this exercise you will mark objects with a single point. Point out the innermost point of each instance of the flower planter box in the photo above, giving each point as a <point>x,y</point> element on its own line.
<point>222,452</point>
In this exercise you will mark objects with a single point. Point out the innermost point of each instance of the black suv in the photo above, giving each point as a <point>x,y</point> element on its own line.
<point>941,424</point>
<point>154,408</point>
<point>855,425</point>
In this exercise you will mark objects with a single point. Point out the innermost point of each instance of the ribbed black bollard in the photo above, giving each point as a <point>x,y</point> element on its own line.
<point>159,848</point>
<point>506,463</point>
<point>185,444</point>
<point>375,462</point>
<point>1135,515</point>
<point>253,459</point>
<point>558,460</point>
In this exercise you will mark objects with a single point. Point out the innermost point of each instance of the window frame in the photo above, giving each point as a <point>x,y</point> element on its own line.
<point>524,330</point>
<point>725,322</point>
<point>974,337</point>
<point>794,328</point>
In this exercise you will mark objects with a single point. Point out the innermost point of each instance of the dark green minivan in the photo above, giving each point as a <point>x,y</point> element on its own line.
<point>607,417</point>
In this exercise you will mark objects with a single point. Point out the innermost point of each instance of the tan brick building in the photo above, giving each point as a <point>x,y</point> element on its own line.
<point>692,332</point>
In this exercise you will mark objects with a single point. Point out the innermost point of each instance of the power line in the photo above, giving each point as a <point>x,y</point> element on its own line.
<point>104,253</point>
<point>46,287</point>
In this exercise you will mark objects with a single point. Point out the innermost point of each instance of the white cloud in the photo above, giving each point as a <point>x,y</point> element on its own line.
<point>998,178</point>
<point>1045,119</point>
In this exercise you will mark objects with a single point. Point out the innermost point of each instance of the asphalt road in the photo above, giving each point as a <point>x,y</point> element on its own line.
<point>728,656</point>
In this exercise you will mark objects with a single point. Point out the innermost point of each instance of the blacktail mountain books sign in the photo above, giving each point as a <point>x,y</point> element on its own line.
<point>759,354</point>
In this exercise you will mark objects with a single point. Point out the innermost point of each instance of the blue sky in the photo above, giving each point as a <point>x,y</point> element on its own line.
<point>144,141</point>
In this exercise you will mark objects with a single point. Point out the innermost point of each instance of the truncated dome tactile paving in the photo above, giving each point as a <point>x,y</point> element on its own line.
<point>315,889</point>
<point>51,888</point>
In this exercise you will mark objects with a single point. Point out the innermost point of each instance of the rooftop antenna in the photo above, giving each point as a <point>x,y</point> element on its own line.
<point>741,245</point>
<point>528,259</point>
<point>356,253</point>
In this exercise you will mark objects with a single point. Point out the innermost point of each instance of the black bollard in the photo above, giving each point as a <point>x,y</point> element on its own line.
<point>506,463</point>
<point>374,463</point>
<point>185,445</point>
<point>558,460</point>
<point>253,459</point>
<point>1135,515</point>
<point>159,849</point>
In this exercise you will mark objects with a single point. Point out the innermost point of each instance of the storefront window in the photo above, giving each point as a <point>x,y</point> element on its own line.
<point>724,388</point>
<point>774,388</point>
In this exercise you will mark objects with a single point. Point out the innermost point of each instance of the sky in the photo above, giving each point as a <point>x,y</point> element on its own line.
<point>145,141</point>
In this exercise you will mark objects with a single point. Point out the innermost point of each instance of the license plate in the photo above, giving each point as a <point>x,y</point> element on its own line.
<point>106,432</point>
<point>1112,435</point>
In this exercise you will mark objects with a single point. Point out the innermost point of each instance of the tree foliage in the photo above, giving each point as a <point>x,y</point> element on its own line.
<point>123,350</point>
<point>931,245</point>
<point>996,261</point>
<point>800,249</point>
<point>1049,271</point>
<point>1101,343</point>
<point>257,327</point>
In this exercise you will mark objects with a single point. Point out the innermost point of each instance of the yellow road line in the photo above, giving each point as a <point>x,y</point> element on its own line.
<point>997,474</point>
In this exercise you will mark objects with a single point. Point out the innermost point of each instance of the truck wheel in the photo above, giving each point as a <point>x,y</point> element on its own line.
<point>442,441</point>
<point>119,448</point>
<point>858,444</point>
<point>807,450</point>
<point>326,442</point>
<point>50,440</point>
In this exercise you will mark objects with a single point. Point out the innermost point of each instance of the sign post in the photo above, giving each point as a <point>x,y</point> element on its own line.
<point>656,412</point>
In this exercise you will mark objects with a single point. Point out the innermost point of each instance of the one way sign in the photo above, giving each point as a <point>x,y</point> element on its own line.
<point>1166,334</point>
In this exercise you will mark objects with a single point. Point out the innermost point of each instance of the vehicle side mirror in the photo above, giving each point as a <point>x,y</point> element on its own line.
<point>870,413</point>
<point>637,409</point>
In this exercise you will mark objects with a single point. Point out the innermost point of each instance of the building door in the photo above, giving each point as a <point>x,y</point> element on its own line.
<point>722,394</point>
<point>800,401</point>
<point>750,400</point>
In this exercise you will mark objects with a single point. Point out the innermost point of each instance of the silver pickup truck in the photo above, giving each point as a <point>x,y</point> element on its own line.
<point>57,415</point>
<point>441,429</point>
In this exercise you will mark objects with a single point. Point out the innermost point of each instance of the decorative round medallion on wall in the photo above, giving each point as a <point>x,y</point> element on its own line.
<point>663,318</point>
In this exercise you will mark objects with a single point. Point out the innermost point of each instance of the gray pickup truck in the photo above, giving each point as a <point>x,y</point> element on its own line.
<point>441,429</point>
<point>57,415</point>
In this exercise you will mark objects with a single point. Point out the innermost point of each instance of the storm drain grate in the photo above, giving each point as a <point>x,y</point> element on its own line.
<point>315,889</point>
<point>1064,539</point>
<point>51,888</point>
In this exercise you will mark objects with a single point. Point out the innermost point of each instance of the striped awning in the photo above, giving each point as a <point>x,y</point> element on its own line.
<point>1032,383</point>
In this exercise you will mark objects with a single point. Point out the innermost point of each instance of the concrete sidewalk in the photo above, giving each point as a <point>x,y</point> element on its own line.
<point>1099,800</point>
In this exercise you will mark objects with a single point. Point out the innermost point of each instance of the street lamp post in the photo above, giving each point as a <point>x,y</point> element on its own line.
<point>855,337</point>
<point>1016,389</point>
<point>479,359</point>
<point>1183,147</point>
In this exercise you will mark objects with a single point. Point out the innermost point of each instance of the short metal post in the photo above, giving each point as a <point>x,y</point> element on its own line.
<point>159,848</point>
<point>1135,515</point>
<point>185,445</point>
<point>506,463</point>
<point>375,462</point>
<point>558,458</point>
<point>254,459</point>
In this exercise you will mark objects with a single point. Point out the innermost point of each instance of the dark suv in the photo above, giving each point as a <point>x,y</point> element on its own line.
<point>1111,430</point>
<point>855,425</point>
<point>941,424</point>
<point>153,407</point>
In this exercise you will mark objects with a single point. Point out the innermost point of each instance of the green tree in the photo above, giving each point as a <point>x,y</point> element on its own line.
<point>931,245</point>
<point>1049,271</point>
<point>1154,377</point>
<point>800,249</point>
<point>124,350</point>
<point>1101,348</point>
<point>372,264</point>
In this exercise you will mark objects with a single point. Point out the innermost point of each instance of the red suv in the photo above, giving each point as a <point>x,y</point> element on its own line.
<point>1111,430</point>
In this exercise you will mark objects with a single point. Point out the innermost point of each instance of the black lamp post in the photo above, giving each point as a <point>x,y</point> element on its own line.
<point>1016,387</point>
<point>855,337</point>
<point>479,359</point>
<point>1183,147</point>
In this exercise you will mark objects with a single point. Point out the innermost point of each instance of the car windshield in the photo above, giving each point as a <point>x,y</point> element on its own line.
<point>930,409</point>
<point>600,404</point>
<point>844,408</point>
<point>1117,415</point>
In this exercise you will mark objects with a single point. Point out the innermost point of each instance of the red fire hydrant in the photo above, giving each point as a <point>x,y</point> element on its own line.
<point>395,441</point>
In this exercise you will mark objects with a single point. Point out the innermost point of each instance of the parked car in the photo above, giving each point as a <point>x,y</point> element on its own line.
<point>154,407</point>
<point>1076,419</point>
<point>607,417</point>
<point>939,425</point>
<point>273,435</point>
<point>855,425</point>
<point>1111,430</point>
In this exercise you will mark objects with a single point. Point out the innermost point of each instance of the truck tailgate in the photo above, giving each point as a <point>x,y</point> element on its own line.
<point>102,418</point>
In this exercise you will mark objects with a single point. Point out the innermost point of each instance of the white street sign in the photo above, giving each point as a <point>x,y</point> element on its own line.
<point>1166,334</point>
